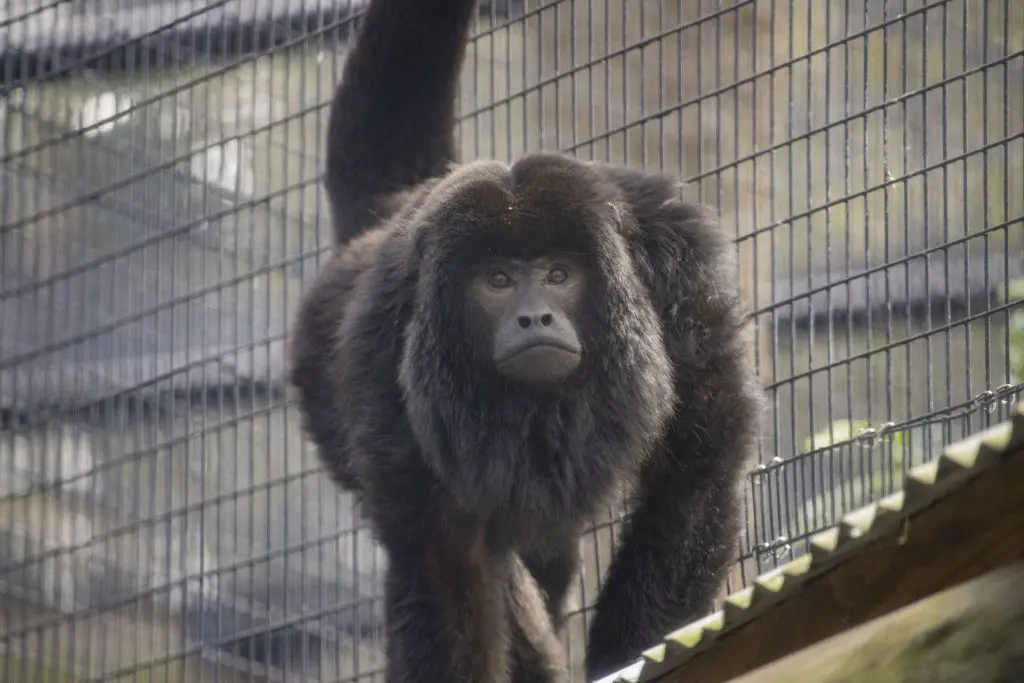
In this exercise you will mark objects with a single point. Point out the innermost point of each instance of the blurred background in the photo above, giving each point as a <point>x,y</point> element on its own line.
<point>163,518</point>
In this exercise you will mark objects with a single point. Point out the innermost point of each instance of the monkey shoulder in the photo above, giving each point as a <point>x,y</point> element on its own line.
<point>325,303</point>
<point>344,342</point>
<point>680,247</point>
<point>686,260</point>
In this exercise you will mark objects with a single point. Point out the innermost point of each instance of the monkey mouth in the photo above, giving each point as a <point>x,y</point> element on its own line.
<point>540,361</point>
<point>538,348</point>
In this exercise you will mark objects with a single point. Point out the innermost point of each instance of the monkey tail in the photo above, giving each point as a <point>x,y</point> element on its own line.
<point>391,124</point>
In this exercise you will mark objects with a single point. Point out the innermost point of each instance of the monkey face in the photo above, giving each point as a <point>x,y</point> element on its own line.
<point>531,310</point>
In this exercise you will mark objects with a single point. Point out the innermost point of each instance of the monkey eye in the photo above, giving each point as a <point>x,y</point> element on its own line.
<point>557,275</point>
<point>498,280</point>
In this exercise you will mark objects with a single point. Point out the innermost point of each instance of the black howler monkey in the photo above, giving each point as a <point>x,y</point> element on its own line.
<point>493,350</point>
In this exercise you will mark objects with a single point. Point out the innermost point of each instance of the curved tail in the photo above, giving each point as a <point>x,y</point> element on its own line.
<point>392,120</point>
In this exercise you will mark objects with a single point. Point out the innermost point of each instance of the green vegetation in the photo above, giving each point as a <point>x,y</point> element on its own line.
<point>1015,293</point>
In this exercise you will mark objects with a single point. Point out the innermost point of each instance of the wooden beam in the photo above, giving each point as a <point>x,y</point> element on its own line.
<point>973,633</point>
<point>962,534</point>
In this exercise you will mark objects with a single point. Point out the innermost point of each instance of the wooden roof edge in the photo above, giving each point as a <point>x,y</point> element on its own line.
<point>926,485</point>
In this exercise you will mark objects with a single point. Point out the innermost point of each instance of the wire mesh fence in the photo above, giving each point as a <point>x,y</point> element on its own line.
<point>162,516</point>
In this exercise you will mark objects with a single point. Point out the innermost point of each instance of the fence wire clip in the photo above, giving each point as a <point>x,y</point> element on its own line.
<point>757,474</point>
<point>778,549</point>
<point>989,398</point>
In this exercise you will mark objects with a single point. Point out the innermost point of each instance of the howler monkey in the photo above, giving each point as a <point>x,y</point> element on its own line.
<point>495,349</point>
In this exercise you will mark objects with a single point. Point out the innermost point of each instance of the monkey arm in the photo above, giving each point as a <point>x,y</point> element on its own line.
<point>676,549</point>
<point>444,623</point>
<point>554,565</point>
<point>458,608</point>
<point>537,652</point>
<point>681,537</point>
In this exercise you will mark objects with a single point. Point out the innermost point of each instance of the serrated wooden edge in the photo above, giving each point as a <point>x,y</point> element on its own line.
<point>926,483</point>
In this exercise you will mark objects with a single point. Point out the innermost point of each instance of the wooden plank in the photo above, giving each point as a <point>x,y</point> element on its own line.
<point>973,633</point>
<point>966,532</point>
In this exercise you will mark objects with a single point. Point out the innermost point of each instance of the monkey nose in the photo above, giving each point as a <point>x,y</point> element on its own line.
<point>542,319</point>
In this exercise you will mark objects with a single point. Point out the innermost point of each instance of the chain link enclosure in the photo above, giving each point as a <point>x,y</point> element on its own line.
<point>163,518</point>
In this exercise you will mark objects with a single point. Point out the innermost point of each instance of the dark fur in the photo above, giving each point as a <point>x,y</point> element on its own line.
<point>462,472</point>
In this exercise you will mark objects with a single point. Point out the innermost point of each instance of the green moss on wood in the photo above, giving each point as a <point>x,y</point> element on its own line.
<point>984,645</point>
